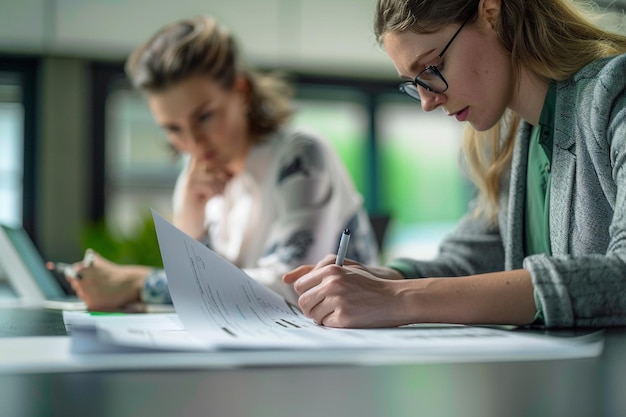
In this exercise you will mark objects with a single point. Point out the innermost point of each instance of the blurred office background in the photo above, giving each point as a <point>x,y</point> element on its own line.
<point>79,149</point>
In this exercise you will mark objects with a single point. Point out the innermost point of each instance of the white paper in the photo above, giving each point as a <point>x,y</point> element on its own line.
<point>222,311</point>
<point>127,332</point>
<point>223,307</point>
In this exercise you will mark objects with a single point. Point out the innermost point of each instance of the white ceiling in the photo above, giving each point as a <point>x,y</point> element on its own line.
<point>310,35</point>
<point>315,35</point>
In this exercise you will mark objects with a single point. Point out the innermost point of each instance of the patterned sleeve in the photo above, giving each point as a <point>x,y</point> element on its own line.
<point>155,289</point>
<point>311,213</point>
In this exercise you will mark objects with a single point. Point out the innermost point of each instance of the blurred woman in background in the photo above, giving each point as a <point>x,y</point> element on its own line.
<point>264,196</point>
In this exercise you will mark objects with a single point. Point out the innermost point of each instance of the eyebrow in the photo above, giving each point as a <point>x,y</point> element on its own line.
<point>415,64</point>
<point>169,126</point>
<point>199,109</point>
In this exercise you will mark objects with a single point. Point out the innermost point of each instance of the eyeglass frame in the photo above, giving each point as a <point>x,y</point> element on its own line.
<point>410,87</point>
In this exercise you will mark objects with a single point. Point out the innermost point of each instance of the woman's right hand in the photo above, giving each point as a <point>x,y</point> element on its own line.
<point>201,181</point>
<point>107,286</point>
<point>352,295</point>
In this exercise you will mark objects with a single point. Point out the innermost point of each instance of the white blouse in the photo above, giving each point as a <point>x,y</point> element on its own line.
<point>287,208</point>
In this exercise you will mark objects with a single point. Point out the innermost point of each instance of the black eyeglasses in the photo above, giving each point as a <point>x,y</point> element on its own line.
<point>430,78</point>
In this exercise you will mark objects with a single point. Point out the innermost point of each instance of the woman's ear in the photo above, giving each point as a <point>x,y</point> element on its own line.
<point>489,10</point>
<point>242,86</point>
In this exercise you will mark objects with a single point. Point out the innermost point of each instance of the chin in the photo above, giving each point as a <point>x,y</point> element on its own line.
<point>478,127</point>
<point>481,125</point>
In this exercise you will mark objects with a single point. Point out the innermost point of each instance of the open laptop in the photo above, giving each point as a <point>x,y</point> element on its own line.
<point>26,272</point>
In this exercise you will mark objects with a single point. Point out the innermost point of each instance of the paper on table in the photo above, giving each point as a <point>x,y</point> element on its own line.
<point>224,308</point>
<point>220,308</point>
<point>425,343</point>
<point>98,333</point>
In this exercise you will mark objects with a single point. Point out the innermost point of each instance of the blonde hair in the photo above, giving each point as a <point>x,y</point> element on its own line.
<point>551,38</point>
<point>199,46</point>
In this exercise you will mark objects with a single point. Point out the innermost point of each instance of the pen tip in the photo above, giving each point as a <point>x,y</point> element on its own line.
<point>346,231</point>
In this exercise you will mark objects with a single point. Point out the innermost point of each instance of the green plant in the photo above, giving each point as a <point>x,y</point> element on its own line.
<point>137,246</point>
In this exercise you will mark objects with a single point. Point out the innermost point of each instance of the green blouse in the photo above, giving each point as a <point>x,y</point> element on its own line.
<point>537,213</point>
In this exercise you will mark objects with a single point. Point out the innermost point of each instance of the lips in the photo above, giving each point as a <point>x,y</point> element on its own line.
<point>209,155</point>
<point>462,115</point>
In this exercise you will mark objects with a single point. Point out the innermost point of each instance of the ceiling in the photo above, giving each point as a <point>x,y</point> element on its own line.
<point>308,35</point>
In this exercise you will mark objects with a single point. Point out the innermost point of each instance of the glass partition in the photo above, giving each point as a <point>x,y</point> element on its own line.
<point>421,183</point>
<point>11,148</point>
<point>342,119</point>
<point>140,168</point>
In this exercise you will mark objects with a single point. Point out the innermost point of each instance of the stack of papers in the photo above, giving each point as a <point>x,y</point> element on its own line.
<point>221,309</point>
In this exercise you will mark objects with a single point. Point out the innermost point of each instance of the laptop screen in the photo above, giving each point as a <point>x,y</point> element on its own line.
<point>33,262</point>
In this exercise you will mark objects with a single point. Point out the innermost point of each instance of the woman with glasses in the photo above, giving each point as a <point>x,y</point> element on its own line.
<point>263,195</point>
<point>543,92</point>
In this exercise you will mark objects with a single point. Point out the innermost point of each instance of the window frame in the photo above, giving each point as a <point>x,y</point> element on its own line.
<point>28,68</point>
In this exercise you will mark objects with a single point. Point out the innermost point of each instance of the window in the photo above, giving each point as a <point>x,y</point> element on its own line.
<point>420,179</point>
<point>342,119</point>
<point>18,86</point>
<point>140,169</point>
<point>11,149</point>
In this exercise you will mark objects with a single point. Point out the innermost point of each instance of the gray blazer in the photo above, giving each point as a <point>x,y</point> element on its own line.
<point>583,282</point>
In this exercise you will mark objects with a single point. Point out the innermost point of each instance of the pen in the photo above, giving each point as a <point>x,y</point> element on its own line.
<point>343,247</point>
<point>62,268</point>
<point>89,258</point>
<point>68,269</point>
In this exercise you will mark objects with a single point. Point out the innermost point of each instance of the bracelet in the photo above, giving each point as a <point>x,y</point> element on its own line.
<point>155,289</point>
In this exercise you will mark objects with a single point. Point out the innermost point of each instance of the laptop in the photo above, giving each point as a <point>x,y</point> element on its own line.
<point>25,270</point>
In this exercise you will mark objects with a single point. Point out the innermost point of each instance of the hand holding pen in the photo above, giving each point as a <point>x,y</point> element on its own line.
<point>68,270</point>
<point>350,295</point>
<point>343,247</point>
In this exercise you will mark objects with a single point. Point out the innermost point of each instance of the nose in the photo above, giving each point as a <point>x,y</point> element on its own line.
<point>193,141</point>
<point>430,101</point>
<point>198,136</point>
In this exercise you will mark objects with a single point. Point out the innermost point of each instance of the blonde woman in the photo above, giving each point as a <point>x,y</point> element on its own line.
<point>264,196</point>
<point>545,99</point>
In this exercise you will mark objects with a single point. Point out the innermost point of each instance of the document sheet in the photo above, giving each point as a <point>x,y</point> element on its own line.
<point>219,307</point>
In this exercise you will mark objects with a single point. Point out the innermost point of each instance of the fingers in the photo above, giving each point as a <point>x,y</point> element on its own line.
<point>311,299</point>
<point>350,262</point>
<point>90,261</point>
<point>206,179</point>
<point>325,290</point>
<point>326,274</point>
<point>321,313</point>
<point>80,270</point>
<point>323,303</point>
<point>293,276</point>
<point>206,184</point>
<point>78,289</point>
<point>88,287</point>
<point>209,172</point>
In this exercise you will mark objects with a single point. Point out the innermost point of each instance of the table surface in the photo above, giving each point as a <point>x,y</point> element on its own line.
<point>566,387</point>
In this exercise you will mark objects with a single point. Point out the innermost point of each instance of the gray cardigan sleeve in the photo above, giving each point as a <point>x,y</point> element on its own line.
<point>474,247</point>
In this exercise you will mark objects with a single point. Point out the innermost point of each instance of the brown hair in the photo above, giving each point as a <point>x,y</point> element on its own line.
<point>551,38</point>
<point>200,46</point>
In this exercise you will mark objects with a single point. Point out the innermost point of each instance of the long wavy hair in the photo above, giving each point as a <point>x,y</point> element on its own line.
<point>551,38</point>
<point>200,46</point>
